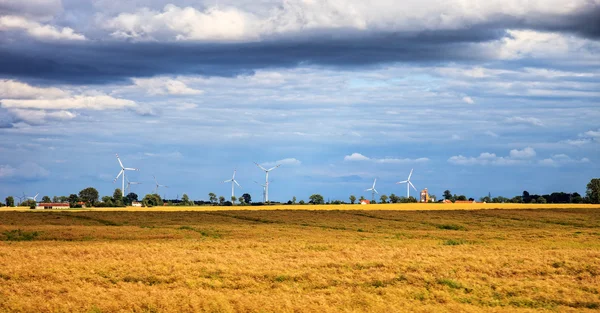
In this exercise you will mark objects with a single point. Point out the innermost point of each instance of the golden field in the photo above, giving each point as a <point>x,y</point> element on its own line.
<point>390,258</point>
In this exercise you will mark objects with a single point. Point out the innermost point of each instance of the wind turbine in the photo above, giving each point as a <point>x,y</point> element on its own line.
<point>34,198</point>
<point>373,190</point>
<point>122,172</point>
<point>158,185</point>
<point>233,183</point>
<point>267,179</point>
<point>264,189</point>
<point>129,183</point>
<point>408,184</point>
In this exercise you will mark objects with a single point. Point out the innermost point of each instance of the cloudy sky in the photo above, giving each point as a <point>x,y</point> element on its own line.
<point>476,96</point>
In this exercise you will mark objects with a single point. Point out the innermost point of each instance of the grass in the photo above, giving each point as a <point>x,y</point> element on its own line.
<point>293,260</point>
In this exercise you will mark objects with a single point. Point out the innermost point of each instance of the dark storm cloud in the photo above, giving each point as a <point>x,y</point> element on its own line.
<point>103,62</point>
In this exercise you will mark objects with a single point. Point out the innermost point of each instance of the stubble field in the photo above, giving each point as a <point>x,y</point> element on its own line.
<point>301,261</point>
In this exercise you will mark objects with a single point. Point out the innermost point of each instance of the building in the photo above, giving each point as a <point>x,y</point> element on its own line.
<point>51,205</point>
<point>365,201</point>
<point>136,204</point>
<point>424,195</point>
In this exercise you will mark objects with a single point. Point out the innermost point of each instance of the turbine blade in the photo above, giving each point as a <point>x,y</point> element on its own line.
<point>237,183</point>
<point>262,168</point>
<point>375,191</point>
<point>119,160</point>
<point>155,179</point>
<point>409,175</point>
<point>368,189</point>
<point>274,167</point>
<point>402,182</point>
<point>413,186</point>
<point>131,169</point>
<point>375,181</point>
<point>233,174</point>
<point>121,172</point>
<point>227,181</point>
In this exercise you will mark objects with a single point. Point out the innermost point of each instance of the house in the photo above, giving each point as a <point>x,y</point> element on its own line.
<point>424,195</point>
<point>51,205</point>
<point>465,201</point>
<point>365,201</point>
<point>136,204</point>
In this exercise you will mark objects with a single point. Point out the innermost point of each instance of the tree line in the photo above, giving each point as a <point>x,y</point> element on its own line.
<point>90,198</point>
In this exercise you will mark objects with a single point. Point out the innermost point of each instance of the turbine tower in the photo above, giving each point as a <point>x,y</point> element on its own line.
<point>408,184</point>
<point>129,183</point>
<point>233,183</point>
<point>158,185</point>
<point>267,179</point>
<point>373,190</point>
<point>264,189</point>
<point>122,172</point>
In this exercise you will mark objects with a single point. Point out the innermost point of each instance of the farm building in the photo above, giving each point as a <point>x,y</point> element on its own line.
<point>53,206</point>
<point>424,195</point>
<point>136,204</point>
<point>365,201</point>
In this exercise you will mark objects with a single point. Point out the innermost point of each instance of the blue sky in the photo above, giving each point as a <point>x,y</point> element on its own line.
<point>476,96</point>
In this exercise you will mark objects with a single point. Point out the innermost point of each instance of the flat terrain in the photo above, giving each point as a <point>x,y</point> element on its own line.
<point>301,261</point>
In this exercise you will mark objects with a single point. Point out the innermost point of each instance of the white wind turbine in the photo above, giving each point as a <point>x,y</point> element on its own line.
<point>129,183</point>
<point>122,172</point>
<point>158,185</point>
<point>233,183</point>
<point>264,189</point>
<point>373,190</point>
<point>34,198</point>
<point>267,179</point>
<point>408,184</point>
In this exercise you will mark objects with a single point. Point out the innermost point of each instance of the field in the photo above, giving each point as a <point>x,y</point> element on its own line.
<point>386,259</point>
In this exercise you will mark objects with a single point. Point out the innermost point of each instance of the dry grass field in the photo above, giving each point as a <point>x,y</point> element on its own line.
<point>390,259</point>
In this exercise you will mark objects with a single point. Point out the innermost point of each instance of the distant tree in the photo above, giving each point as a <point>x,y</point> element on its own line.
<point>352,199</point>
<point>394,198</point>
<point>485,199</point>
<point>526,197</point>
<point>46,199</point>
<point>576,198</point>
<point>29,203</point>
<point>361,198</point>
<point>447,195</point>
<point>241,200</point>
<point>117,197</point>
<point>461,198</point>
<point>541,200</point>
<point>294,200</point>
<point>73,199</point>
<point>56,199</point>
<point>517,199</point>
<point>185,200</point>
<point>383,198</point>
<point>151,200</point>
<point>233,198</point>
<point>221,200</point>
<point>593,191</point>
<point>212,198</point>
<point>89,196</point>
<point>316,199</point>
<point>301,202</point>
<point>471,199</point>
<point>129,198</point>
<point>63,199</point>
<point>247,198</point>
<point>107,201</point>
<point>533,200</point>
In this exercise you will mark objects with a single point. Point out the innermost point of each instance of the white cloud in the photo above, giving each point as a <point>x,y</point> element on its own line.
<point>522,154</point>
<point>491,134</point>
<point>165,86</point>
<point>468,100</point>
<point>288,161</point>
<point>484,159</point>
<point>11,89</point>
<point>592,133</point>
<point>360,157</point>
<point>37,30</point>
<point>96,102</point>
<point>524,120</point>
<point>562,159</point>
<point>26,170</point>
<point>38,117</point>
<point>165,155</point>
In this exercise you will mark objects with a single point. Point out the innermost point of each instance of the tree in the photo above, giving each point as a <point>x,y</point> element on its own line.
<point>56,199</point>
<point>46,199</point>
<point>316,199</point>
<point>129,198</point>
<point>301,202</point>
<point>526,197</point>
<point>212,198</point>
<point>29,203</point>
<point>233,198</point>
<point>73,199</point>
<point>221,200</point>
<point>576,198</point>
<point>294,200</point>
<point>118,197</point>
<point>352,199</point>
<point>394,198</point>
<point>361,198</point>
<point>247,198</point>
<point>447,195</point>
<point>89,196</point>
<point>593,191</point>
<point>241,200</point>
<point>10,201</point>
<point>461,198</point>
<point>383,198</point>
<point>541,200</point>
<point>185,200</point>
<point>151,200</point>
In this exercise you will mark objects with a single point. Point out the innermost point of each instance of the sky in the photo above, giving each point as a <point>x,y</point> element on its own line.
<point>477,97</point>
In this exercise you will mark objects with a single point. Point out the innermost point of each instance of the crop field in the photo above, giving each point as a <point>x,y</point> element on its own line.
<point>386,259</point>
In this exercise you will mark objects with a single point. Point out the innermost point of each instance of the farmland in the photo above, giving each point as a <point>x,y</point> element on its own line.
<point>289,258</point>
